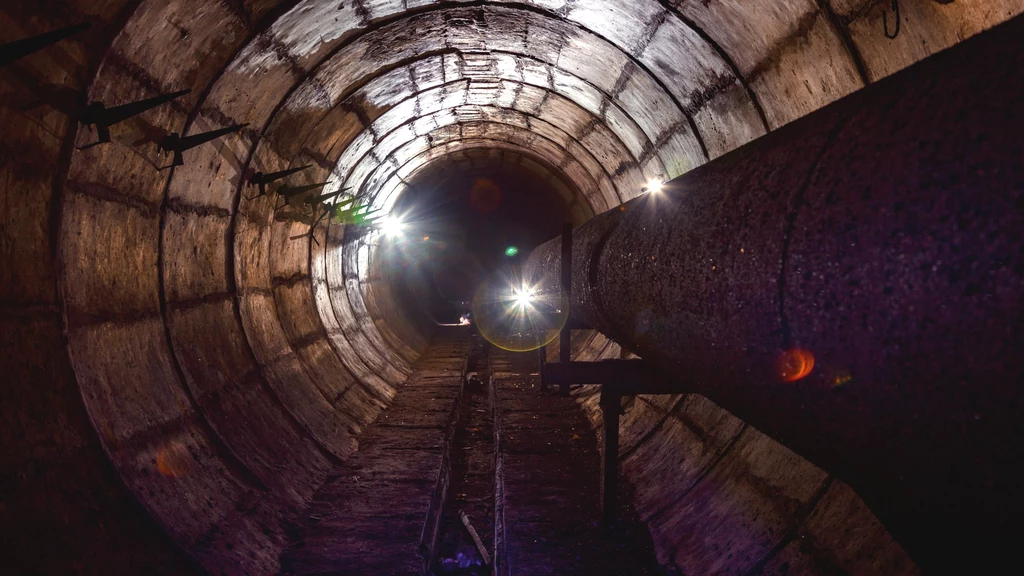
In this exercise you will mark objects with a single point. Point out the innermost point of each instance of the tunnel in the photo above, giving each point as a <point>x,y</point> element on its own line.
<point>209,373</point>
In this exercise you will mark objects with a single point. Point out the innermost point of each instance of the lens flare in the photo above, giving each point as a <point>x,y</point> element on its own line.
<point>522,297</point>
<point>655,185</point>
<point>517,317</point>
<point>842,378</point>
<point>391,225</point>
<point>511,251</point>
<point>794,364</point>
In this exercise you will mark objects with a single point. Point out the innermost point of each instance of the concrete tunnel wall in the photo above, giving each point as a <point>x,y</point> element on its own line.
<point>173,353</point>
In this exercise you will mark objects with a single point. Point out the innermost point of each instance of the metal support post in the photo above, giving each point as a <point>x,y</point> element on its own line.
<point>542,356</point>
<point>611,408</point>
<point>565,336</point>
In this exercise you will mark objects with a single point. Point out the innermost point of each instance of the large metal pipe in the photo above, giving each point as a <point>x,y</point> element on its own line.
<point>884,237</point>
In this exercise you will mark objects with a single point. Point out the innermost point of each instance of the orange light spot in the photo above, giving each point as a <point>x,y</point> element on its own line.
<point>172,460</point>
<point>794,364</point>
<point>425,238</point>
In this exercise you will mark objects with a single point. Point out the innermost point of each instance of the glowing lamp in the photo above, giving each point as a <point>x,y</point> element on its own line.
<point>522,297</point>
<point>391,226</point>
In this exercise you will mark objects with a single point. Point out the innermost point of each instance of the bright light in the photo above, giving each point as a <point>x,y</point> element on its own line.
<point>654,185</point>
<point>391,226</point>
<point>511,251</point>
<point>522,297</point>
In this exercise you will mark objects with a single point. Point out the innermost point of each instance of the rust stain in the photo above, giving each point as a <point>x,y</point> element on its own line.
<point>172,460</point>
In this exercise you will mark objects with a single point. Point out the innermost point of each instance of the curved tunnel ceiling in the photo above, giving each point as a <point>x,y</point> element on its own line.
<point>216,341</point>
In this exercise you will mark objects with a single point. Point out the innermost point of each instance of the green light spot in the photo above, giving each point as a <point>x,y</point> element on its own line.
<point>511,251</point>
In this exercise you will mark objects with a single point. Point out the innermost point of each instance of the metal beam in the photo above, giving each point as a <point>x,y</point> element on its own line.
<point>565,335</point>
<point>617,378</point>
<point>625,377</point>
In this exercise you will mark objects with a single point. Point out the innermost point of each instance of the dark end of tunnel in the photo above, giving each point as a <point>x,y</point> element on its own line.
<point>471,218</point>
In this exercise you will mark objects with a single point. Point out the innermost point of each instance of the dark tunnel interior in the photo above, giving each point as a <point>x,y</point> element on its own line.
<point>252,253</point>
<point>469,219</point>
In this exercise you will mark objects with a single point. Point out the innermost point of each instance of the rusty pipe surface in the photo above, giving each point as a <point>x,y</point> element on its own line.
<point>852,285</point>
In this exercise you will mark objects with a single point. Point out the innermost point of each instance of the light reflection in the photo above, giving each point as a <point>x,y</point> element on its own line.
<point>654,185</point>
<point>172,460</point>
<point>842,379</point>
<point>794,364</point>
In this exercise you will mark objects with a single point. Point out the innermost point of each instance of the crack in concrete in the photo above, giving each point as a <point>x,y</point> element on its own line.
<point>648,34</point>
<point>179,206</point>
<point>180,305</point>
<point>800,35</point>
<point>702,96</point>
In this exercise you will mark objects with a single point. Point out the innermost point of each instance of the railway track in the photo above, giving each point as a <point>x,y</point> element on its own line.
<point>469,434</point>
